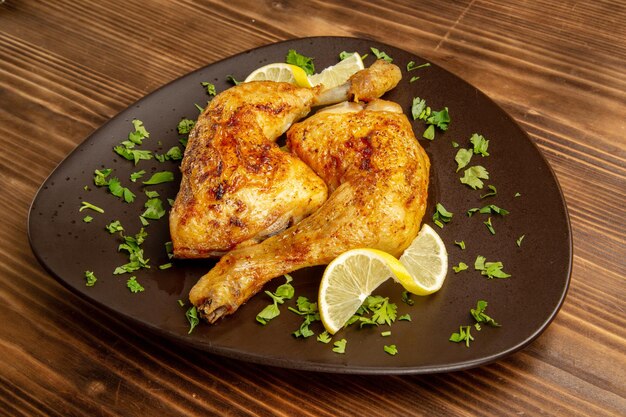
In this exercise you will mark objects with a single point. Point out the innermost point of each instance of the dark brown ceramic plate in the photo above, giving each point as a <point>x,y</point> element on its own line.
<point>523,304</point>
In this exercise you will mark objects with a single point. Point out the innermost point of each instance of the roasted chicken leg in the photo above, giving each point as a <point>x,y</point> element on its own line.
<point>238,187</point>
<point>377,174</point>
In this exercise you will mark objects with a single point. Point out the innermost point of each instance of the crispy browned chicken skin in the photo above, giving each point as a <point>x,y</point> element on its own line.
<point>238,187</point>
<point>377,174</point>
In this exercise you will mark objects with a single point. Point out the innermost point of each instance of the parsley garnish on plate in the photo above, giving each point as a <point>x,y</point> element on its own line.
<point>160,177</point>
<point>490,269</point>
<point>479,314</point>
<point>304,62</point>
<point>413,66</point>
<point>154,210</point>
<point>441,215</point>
<point>324,337</point>
<point>493,192</point>
<point>133,285</point>
<point>210,88</point>
<point>310,313</point>
<point>127,148</point>
<point>462,266</point>
<point>340,346</point>
<point>464,335</point>
<point>185,126</point>
<point>463,157</point>
<point>473,176</point>
<point>132,245</point>
<point>518,242</point>
<point>192,318</point>
<point>231,79</point>
<point>381,55</point>
<point>91,278</point>
<point>282,293</point>
<point>480,144</point>
<point>391,349</point>
<point>86,205</point>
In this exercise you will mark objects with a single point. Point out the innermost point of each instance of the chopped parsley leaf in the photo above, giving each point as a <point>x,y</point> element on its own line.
<point>418,106</point>
<point>493,192</point>
<point>440,118</point>
<point>382,310</point>
<point>139,134</point>
<point>464,335</point>
<point>479,314</point>
<point>154,209</point>
<point>462,266</point>
<point>415,78</point>
<point>185,126</point>
<point>429,133</point>
<point>441,215</point>
<point>519,241</point>
<point>132,245</point>
<point>490,226</point>
<point>115,226</point>
<point>116,188</point>
<point>87,219</point>
<point>91,278</point>
<point>210,88</point>
<point>304,62</point>
<point>473,176</point>
<point>284,291</point>
<point>192,318</point>
<point>324,337</point>
<point>381,55</point>
<point>100,177</point>
<point>480,144</point>
<point>462,158</point>
<point>132,154</point>
<point>340,346</point>
<point>412,66</point>
<point>405,317</point>
<point>86,205</point>
<point>490,269</point>
<point>391,349</point>
<point>230,79</point>
<point>133,285</point>
<point>386,333</point>
<point>460,244</point>
<point>160,177</point>
<point>136,175</point>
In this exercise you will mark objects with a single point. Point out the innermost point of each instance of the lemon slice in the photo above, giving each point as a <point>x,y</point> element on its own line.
<point>339,73</point>
<point>355,274</point>
<point>281,73</point>
<point>349,279</point>
<point>426,259</point>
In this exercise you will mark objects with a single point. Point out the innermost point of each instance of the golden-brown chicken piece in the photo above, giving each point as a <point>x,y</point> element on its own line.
<point>238,187</point>
<point>377,174</point>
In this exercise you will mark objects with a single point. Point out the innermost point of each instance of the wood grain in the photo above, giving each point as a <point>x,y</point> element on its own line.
<point>66,67</point>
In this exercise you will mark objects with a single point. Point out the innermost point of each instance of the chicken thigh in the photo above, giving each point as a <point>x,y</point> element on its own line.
<point>377,176</point>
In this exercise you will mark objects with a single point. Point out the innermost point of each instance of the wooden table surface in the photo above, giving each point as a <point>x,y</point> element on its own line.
<point>66,67</point>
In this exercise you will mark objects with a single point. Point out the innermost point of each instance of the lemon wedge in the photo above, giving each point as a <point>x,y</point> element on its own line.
<point>426,259</point>
<point>349,279</point>
<point>280,72</point>
<point>339,73</point>
<point>355,274</point>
